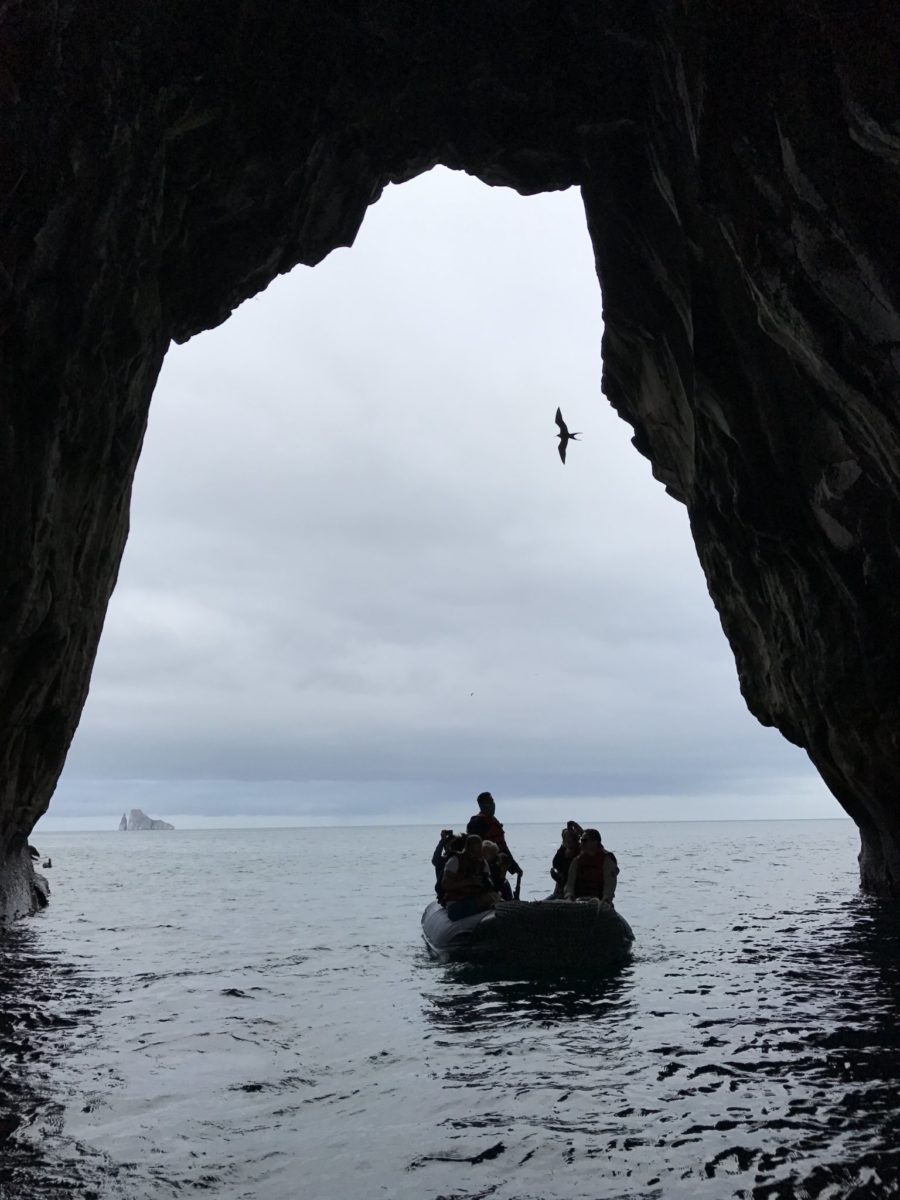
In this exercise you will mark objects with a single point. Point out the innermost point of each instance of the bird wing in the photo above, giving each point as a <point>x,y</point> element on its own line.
<point>562,450</point>
<point>561,423</point>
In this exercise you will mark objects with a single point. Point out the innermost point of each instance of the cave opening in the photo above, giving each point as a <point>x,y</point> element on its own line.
<point>359,581</point>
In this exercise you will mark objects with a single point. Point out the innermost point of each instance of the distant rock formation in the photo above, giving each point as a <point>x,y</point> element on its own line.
<point>137,819</point>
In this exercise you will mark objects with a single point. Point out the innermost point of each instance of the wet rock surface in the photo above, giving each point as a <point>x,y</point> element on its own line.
<point>740,176</point>
<point>22,890</point>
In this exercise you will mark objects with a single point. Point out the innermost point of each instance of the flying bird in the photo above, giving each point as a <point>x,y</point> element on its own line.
<point>564,435</point>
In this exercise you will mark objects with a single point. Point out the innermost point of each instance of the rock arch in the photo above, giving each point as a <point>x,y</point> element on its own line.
<point>163,161</point>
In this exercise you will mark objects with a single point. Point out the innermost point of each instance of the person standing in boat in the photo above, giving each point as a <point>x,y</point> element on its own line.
<point>593,872</point>
<point>489,829</point>
<point>466,884</point>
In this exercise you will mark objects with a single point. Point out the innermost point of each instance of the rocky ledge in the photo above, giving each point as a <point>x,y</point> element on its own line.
<point>22,889</point>
<point>740,167</point>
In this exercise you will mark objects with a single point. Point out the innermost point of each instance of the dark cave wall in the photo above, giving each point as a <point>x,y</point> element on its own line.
<point>162,162</point>
<point>81,344</point>
<point>748,250</point>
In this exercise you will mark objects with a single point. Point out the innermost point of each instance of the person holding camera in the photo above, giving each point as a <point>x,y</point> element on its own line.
<point>562,859</point>
<point>449,844</point>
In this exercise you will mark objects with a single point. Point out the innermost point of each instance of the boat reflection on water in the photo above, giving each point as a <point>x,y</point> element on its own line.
<point>520,1061</point>
<point>475,998</point>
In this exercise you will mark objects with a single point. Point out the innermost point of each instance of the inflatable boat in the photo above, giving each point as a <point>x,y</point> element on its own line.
<point>551,935</point>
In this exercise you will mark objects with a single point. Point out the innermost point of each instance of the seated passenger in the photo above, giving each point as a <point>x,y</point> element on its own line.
<point>593,872</point>
<point>498,865</point>
<point>466,884</point>
<point>562,859</point>
<point>439,858</point>
<point>451,843</point>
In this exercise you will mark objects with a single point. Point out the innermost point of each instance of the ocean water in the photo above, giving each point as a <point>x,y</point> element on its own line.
<point>252,1014</point>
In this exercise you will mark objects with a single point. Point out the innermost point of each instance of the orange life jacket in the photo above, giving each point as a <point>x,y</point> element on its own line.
<point>589,872</point>
<point>470,879</point>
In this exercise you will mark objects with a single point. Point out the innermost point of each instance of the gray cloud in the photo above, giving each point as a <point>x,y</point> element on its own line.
<point>359,578</point>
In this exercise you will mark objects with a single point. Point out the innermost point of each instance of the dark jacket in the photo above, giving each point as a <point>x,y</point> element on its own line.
<point>437,860</point>
<point>497,872</point>
<point>559,870</point>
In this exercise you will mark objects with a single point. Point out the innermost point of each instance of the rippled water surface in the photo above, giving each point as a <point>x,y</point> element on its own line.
<point>252,1014</point>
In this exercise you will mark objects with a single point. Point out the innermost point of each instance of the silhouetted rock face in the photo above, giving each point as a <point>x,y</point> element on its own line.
<point>22,889</point>
<point>739,165</point>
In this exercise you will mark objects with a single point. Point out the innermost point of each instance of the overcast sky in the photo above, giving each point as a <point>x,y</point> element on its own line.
<point>361,585</point>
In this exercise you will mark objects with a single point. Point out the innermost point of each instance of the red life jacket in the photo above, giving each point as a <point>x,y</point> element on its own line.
<point>589,873</point>
<point>489,829</point>
<point>456,885</point>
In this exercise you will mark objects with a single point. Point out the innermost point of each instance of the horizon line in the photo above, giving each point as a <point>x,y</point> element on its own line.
<point>431,824</point>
